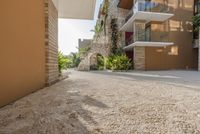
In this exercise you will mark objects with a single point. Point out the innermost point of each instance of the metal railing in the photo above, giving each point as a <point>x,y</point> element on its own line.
<point>150,7</point>
<point>148,36</point>
<point>152,36</point>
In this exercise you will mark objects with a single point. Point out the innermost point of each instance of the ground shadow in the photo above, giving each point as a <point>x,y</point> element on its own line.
<point>51,110</point>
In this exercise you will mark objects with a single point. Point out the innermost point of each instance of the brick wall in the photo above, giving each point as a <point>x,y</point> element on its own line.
<point>139,58</point>
<point>51,42</point>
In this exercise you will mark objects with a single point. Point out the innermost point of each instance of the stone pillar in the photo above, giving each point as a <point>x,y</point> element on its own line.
<point>51,42</point>
<point>139,58</point>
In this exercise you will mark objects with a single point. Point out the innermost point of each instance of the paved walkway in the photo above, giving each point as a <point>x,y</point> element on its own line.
<point>110,103</point>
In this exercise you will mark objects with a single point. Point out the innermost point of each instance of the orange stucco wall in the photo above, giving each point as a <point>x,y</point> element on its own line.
<point>181,55</point>
<point>22,49</point>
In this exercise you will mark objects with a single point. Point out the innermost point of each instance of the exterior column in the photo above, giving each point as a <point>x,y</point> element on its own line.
<point>139,58</point>
<point>51,42</point>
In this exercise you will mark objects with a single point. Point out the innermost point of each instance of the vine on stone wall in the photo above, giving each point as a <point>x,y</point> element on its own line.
<point>98,28</point>
<point>114,35</point>
<point>104,12</point>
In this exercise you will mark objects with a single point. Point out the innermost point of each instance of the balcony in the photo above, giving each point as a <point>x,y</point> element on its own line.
<point>146,11</point>
<point>149,39</point>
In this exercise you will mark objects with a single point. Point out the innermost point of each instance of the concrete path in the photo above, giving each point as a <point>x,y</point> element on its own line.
<point>110,103</point>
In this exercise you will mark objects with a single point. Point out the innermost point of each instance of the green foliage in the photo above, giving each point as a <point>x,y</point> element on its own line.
<point>118,62</point>
<point>196,21</point>
<point>113,62</point>
<point>75,59</point>
<point>100,62</point>
<point>62,62</point>
<point>98,28</point>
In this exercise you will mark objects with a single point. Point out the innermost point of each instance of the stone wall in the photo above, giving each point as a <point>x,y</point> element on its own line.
<point>139,58</point>
<point>102,42</point>
<point>83,46</point>
<point>51,42</point>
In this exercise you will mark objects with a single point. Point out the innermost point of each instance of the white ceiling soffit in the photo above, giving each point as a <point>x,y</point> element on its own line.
<point>75,9</point>
<point>148,44</point>
<point>152,16</point>
<point>147,16</point>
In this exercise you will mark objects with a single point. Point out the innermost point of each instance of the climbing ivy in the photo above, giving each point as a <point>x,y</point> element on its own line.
<point>114,35</point>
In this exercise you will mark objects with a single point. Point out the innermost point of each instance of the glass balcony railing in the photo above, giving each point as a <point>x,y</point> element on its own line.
<point>151,36</point>
<point>148,37</point>
<point>150,7</point>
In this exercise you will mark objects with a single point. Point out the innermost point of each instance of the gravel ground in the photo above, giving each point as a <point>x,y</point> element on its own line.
<point>98,103</point>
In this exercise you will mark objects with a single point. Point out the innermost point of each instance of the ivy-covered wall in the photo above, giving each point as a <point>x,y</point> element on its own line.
<point>107,35</point>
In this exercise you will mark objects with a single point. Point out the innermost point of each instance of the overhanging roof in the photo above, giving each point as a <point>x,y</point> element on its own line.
<point>148,44</point>
<point>75,9</point>
<point>147,16</point>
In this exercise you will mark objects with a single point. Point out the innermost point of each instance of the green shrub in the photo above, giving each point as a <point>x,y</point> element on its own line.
<point>73,60</point>
<point>100,62</point>
<point>62,62</point>
<point>196,21</point>
<point>118,62</point>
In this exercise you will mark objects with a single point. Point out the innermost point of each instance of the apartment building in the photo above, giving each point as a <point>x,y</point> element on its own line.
<point>159,34</point>
<point>29,43</point>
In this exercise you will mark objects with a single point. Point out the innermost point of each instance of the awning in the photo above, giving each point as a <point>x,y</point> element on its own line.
<point>75,9</point>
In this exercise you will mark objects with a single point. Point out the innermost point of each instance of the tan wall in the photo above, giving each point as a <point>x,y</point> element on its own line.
<point>22,60</point>
<point>181,55</point>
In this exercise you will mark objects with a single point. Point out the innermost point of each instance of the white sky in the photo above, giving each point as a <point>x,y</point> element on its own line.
<point>72,30</point>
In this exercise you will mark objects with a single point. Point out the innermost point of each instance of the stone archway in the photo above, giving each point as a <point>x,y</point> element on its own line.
<point>96,61</point>
<point>90,62</point>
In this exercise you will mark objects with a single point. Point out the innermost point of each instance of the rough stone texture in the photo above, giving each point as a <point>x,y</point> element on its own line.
<point>107,103</point>
<point>90,59</point>
<point>85,64</point>
<point>51,42</point>
<point>102,44</point>
<point>84,44</point>
<point>139,58</point>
